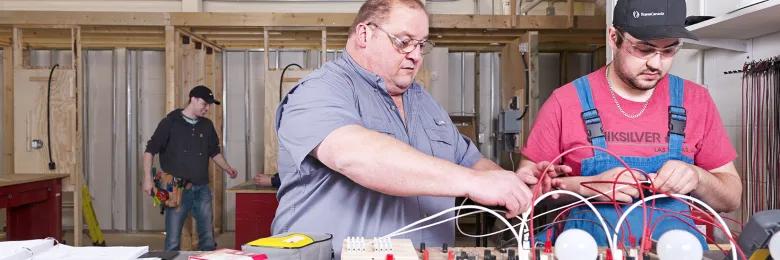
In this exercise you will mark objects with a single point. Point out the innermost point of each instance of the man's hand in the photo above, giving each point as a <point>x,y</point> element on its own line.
<point>537,170</point>
<point>501,188</point>
<point>262,179</point>
<point>147,186</point>
<point>676,177</point>
<point>625,193</point>
<point>232,172</point>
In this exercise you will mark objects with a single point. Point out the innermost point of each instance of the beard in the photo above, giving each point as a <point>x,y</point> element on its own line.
<point>632,81</point>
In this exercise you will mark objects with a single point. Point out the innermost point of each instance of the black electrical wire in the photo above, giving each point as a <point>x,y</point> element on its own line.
<point>52,165</point>
<point>527,83</point>
<point>281,78</point>
<point>761,134</point>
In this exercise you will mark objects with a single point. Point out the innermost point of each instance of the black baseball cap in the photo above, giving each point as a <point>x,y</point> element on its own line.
<point>652,19</point>
<point>204,93</point>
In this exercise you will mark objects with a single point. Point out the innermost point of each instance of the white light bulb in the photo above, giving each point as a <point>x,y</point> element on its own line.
<point>679,244</point>
<point>774,246</point>
<point>575,244</point>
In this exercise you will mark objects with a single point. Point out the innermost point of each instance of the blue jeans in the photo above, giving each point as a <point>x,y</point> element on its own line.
<point>198,199</point>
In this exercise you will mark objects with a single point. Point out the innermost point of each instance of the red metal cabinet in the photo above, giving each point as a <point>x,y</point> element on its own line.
<point>255,210</point>
<point>33,205</point>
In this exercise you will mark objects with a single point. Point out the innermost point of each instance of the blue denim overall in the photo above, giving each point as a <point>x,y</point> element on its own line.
<point>601,161</point>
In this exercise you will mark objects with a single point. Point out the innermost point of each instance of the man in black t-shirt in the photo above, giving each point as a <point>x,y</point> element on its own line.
<point>185,140</point>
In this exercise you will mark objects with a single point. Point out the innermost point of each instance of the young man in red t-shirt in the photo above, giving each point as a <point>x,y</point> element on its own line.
<point>658,123</point>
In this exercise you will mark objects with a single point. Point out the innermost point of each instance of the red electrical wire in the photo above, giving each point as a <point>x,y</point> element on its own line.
<point>644,243</point>
<point>537,188</point>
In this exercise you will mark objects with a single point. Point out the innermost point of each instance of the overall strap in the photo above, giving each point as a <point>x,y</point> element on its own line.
<point>677,115</point>
<point>590,116</point>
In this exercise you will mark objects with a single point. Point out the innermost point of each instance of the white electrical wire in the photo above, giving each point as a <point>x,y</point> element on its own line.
<point>458,215</point>
<point>498,216</point>
<point>516,233</point>
<point>610,241</point>
<point>535,216</point>
<point>714,213</point>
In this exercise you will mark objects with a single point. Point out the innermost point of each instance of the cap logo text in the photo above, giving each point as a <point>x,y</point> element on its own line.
<point>637,14</point>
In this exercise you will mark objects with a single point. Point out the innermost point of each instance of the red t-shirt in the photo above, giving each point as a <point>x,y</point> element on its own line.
<point>559,126</point>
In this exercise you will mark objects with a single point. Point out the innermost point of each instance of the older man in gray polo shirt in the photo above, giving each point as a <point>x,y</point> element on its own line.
<point>364,150</point>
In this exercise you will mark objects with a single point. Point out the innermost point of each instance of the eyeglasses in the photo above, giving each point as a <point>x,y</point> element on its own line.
<point>645,52</point>
<point>407,45</point>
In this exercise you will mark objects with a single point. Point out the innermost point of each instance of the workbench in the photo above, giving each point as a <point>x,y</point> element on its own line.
<point>255,210</point>
<point>33,205</point>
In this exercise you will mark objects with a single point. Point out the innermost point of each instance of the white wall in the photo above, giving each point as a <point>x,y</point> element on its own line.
<point>707,67</point>
<point>147,79</point>
<point>460,99</point>
<point>244,102</point>
<point>489,102</point>
<point>100,130</point>
<point>437,64</point>
<point>235,137</point>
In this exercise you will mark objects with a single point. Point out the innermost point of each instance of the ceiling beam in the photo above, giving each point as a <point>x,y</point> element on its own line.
<point>284,20</point>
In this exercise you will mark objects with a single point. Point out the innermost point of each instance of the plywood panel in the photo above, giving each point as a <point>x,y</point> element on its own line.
<point>271,102</point>
<point>30,120</point>
<point>513,83</point>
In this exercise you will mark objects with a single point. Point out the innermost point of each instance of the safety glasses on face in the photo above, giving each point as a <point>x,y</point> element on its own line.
<point>645,51</point>
<point>408,45</point>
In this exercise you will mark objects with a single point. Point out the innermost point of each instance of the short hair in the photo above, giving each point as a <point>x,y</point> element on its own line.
<point>619,40</point>
<point>376,11</point>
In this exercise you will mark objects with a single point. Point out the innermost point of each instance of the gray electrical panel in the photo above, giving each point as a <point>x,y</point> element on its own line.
<point>509,122</point>
<point>759,229</point>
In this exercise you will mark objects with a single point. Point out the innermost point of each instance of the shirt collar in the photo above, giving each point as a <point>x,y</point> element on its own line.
<point>372,78</point>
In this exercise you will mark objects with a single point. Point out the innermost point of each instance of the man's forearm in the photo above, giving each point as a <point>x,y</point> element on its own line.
<point>384,164</point>
<point>220,161</point>
<point>148,166</point>
<point>485,165</point>
<point>720,188</point>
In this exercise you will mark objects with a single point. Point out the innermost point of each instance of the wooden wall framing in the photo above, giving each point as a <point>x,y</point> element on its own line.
<point>187,66</point>
<point>191,60</point>
<point>25,113</point>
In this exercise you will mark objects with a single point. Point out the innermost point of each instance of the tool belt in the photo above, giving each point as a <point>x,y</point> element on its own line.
<point>169,188</point>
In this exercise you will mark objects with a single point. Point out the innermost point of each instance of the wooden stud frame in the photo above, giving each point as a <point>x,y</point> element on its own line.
<point>220,31</point>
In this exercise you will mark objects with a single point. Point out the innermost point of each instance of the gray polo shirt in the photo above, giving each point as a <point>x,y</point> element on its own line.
<point>314,198</point>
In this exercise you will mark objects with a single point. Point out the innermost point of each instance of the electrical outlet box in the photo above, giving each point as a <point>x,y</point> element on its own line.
<point>509,122</point>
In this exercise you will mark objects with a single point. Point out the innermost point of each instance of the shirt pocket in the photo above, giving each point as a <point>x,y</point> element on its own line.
<point>199,142</point>
<point>440,137</point>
